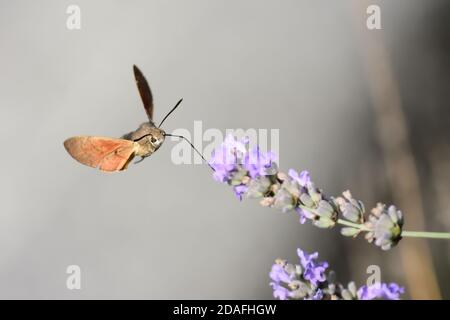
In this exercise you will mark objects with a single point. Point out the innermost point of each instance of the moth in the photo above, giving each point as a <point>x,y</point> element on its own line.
<point>112,154</point>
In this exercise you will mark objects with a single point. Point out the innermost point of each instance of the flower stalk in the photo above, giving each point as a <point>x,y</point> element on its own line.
<point>425,234</point>
<point>405,233</point>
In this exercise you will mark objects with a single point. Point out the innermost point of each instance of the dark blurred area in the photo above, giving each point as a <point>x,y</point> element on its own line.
<point>408,81</point>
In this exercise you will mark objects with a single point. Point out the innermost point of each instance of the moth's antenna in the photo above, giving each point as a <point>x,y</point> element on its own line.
<point>173,109</point>
<point>198,152</point>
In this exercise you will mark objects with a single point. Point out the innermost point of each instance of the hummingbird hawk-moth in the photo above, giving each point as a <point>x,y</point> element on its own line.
<point>111,154</point>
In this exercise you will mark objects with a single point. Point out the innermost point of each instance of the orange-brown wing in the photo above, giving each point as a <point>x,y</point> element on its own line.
<point>107,154</point>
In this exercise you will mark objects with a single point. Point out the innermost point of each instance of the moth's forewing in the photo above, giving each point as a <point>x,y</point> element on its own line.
<point>145,92</point>
<point>107,154</point>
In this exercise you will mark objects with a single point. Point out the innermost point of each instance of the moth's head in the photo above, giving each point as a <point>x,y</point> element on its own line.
<point>157,138</point>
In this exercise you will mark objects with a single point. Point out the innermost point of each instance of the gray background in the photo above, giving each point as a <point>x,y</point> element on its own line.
<point>160,230</point>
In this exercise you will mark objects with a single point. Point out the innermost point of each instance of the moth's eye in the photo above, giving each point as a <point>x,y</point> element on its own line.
<point>153,140</point>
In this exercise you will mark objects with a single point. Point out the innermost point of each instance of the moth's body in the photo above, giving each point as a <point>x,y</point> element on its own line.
<point>111,154</point>
<point>153,138</point>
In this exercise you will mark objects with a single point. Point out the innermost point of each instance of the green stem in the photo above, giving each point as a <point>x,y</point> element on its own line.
<point>424,234</point>
<point>410,234</point>
<point>351,224</point>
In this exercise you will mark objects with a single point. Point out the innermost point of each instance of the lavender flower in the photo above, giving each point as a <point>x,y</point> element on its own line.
<point>391,291</point>
<point>259,164</point>
<point>310,280</point>
<point>352,209</point>
<point>254,174</point>
<point>222,169</point>
<point>302,179</point>
<point>385,225</point>
<point>298,281</point>
<point>280,292</point>
<point>224,159</point>
<point>240,190</point>
<point>318,295</point>
<point>313,271</point>
<point>302,214</point>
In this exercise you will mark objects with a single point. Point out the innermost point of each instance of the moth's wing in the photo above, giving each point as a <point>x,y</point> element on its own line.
<point>107,154</point>
<point>145,92</point>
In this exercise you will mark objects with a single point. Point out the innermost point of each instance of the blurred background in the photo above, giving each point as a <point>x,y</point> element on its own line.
<point>365,110</point>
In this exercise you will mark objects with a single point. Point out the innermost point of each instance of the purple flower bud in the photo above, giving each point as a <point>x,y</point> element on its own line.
<point>240,190</point>
<point>280,274</point>
<point>317,296</point>
<point>226,158</point>
<point>302,214</point>
<point>313,271</point>
<point>302,179</point>
<point>258,163</point>
<point>389,291</point>
<point>279,292</point>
